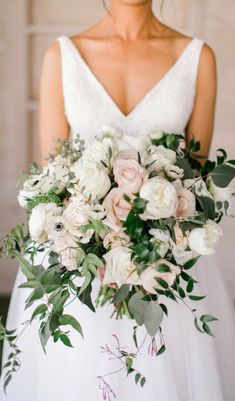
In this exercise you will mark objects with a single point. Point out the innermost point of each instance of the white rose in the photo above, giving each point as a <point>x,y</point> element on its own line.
<point>95,152</point>
<point>156,133</point>
<point>161,240</point>
<point>129,175</point>
<point>162,199</point>
<point>76,215</point>
<point>92,177</point>
<point>158,157</point>
<point>149,275</point>
<point>38,220</point>
<point>220,194</point>
<point>203,240</point>
<point>119,267</point>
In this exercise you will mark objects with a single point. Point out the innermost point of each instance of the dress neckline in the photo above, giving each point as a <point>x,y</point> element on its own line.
<point>147,95</point>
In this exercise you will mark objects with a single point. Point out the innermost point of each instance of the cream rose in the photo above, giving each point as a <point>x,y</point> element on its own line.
<point>129,175</point>
<point>116,207</point>
<point>119,267</point>
<point>150,274</point>
<point>162,199</point>
<point>203,240</point>
<point>156,133</point>
<point>116,238</point>
<point>174,171</point>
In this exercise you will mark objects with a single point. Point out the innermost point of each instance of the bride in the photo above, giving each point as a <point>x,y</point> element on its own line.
<point>132,72</point>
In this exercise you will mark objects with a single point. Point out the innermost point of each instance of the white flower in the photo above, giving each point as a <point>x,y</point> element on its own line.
<point>198,185</point>
<point>95,152</point>
<point>129,175</point>
<point>92,177</point>
<point>220,194</point>
<point>119,267</point>
<point>57,173</point>
<point>162,199</point>
<point>69,257</point>
<point>156,133</point>
<point>97,212</point>
<point>37,185</point>
<point>161,240</point>
<point>182,256</point>
<point>76,216</point>
<point>174,171</point>
<point>203,240</point>
<point>186,200</point>
<point>150,274</point>
<point>38,220</point>
<point>108,131</point>
<point>139,143</point>
<point>158,157</point>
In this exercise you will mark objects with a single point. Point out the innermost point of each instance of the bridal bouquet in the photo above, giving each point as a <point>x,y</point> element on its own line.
<point>135,213</point>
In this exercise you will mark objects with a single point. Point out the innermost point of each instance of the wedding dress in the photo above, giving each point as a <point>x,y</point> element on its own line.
<point>194,367</point>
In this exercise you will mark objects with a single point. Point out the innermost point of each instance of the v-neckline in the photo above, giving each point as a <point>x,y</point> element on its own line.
<point>147,95</point>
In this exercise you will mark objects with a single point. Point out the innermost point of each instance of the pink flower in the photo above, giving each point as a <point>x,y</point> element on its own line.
<point>117,208</point>
<point>129,174</point>
<point>148,276</point>
<point>186,201</point>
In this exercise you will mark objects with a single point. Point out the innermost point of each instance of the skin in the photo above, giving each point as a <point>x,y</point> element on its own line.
<point>139,49</point>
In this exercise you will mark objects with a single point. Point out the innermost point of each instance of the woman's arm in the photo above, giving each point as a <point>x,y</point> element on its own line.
<point>52,121</point>
<point>201,123</point>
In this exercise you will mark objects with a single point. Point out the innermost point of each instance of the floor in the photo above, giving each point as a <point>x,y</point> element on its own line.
<point>4,302</point>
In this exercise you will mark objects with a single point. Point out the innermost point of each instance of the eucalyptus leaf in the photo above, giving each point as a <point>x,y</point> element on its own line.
<point>153,317</point>
<point>121,294</point>
<point>222,175</point>
<point>137,307</point>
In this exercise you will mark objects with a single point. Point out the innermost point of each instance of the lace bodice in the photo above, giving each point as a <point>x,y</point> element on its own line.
<point>167,105</point>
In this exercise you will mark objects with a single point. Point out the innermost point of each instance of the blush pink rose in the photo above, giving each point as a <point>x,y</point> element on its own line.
<point>129,174</point>
<point>186,203</point>
<point>148,276</point>
<point>117,209</point>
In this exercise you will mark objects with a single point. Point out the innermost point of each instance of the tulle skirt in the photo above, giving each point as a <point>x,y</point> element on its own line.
<point>194,367</point>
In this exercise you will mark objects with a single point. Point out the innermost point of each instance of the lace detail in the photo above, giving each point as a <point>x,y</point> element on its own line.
<point>88,106</point>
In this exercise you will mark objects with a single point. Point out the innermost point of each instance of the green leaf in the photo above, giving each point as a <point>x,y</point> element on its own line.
<point>58,305</point>
<point>139,205</point>
<point>208,330</point>
<point>29,284</point>
<point>188,265</point>
<point>68,319</point>
<point>26,266</point>
<point>137,307</point>
<point>92,258</point>
<point>162,268</point>
<point>208,206</point>
<point>196,297</point>
<point>153,316</point>
<point>86,282</point>
<point>65,340</point>
<point>222,175</point>
<point>45,333</point>
<point>185,165</point>
<point>121,294</point>
<point>137,378</point>
<point>196,324</point>
<point>161,350</point>
<point>190,285</point>
<point>161,282</point>
<point>208,318</point>
<point>39,311</point>
<point>142,381</point>
<point>164,308</point>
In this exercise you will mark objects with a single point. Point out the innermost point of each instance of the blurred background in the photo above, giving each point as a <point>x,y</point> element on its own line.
<point>28,27</point>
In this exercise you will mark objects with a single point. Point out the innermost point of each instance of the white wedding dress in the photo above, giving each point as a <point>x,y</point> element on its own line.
<point>195,367</point>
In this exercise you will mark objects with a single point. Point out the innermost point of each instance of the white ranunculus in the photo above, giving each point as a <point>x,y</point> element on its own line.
<point>162,199</point>
<point>76,216</point>
<point>156,133</point>
<point>198,185</point>
<point>119,267</point>
<point>161,240</point>
<point>38,220</point>
<point>158,157</point>
<point>92,177</point>
<point>220,194</point>
<point>150,274</point>
<point>203,240</point>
